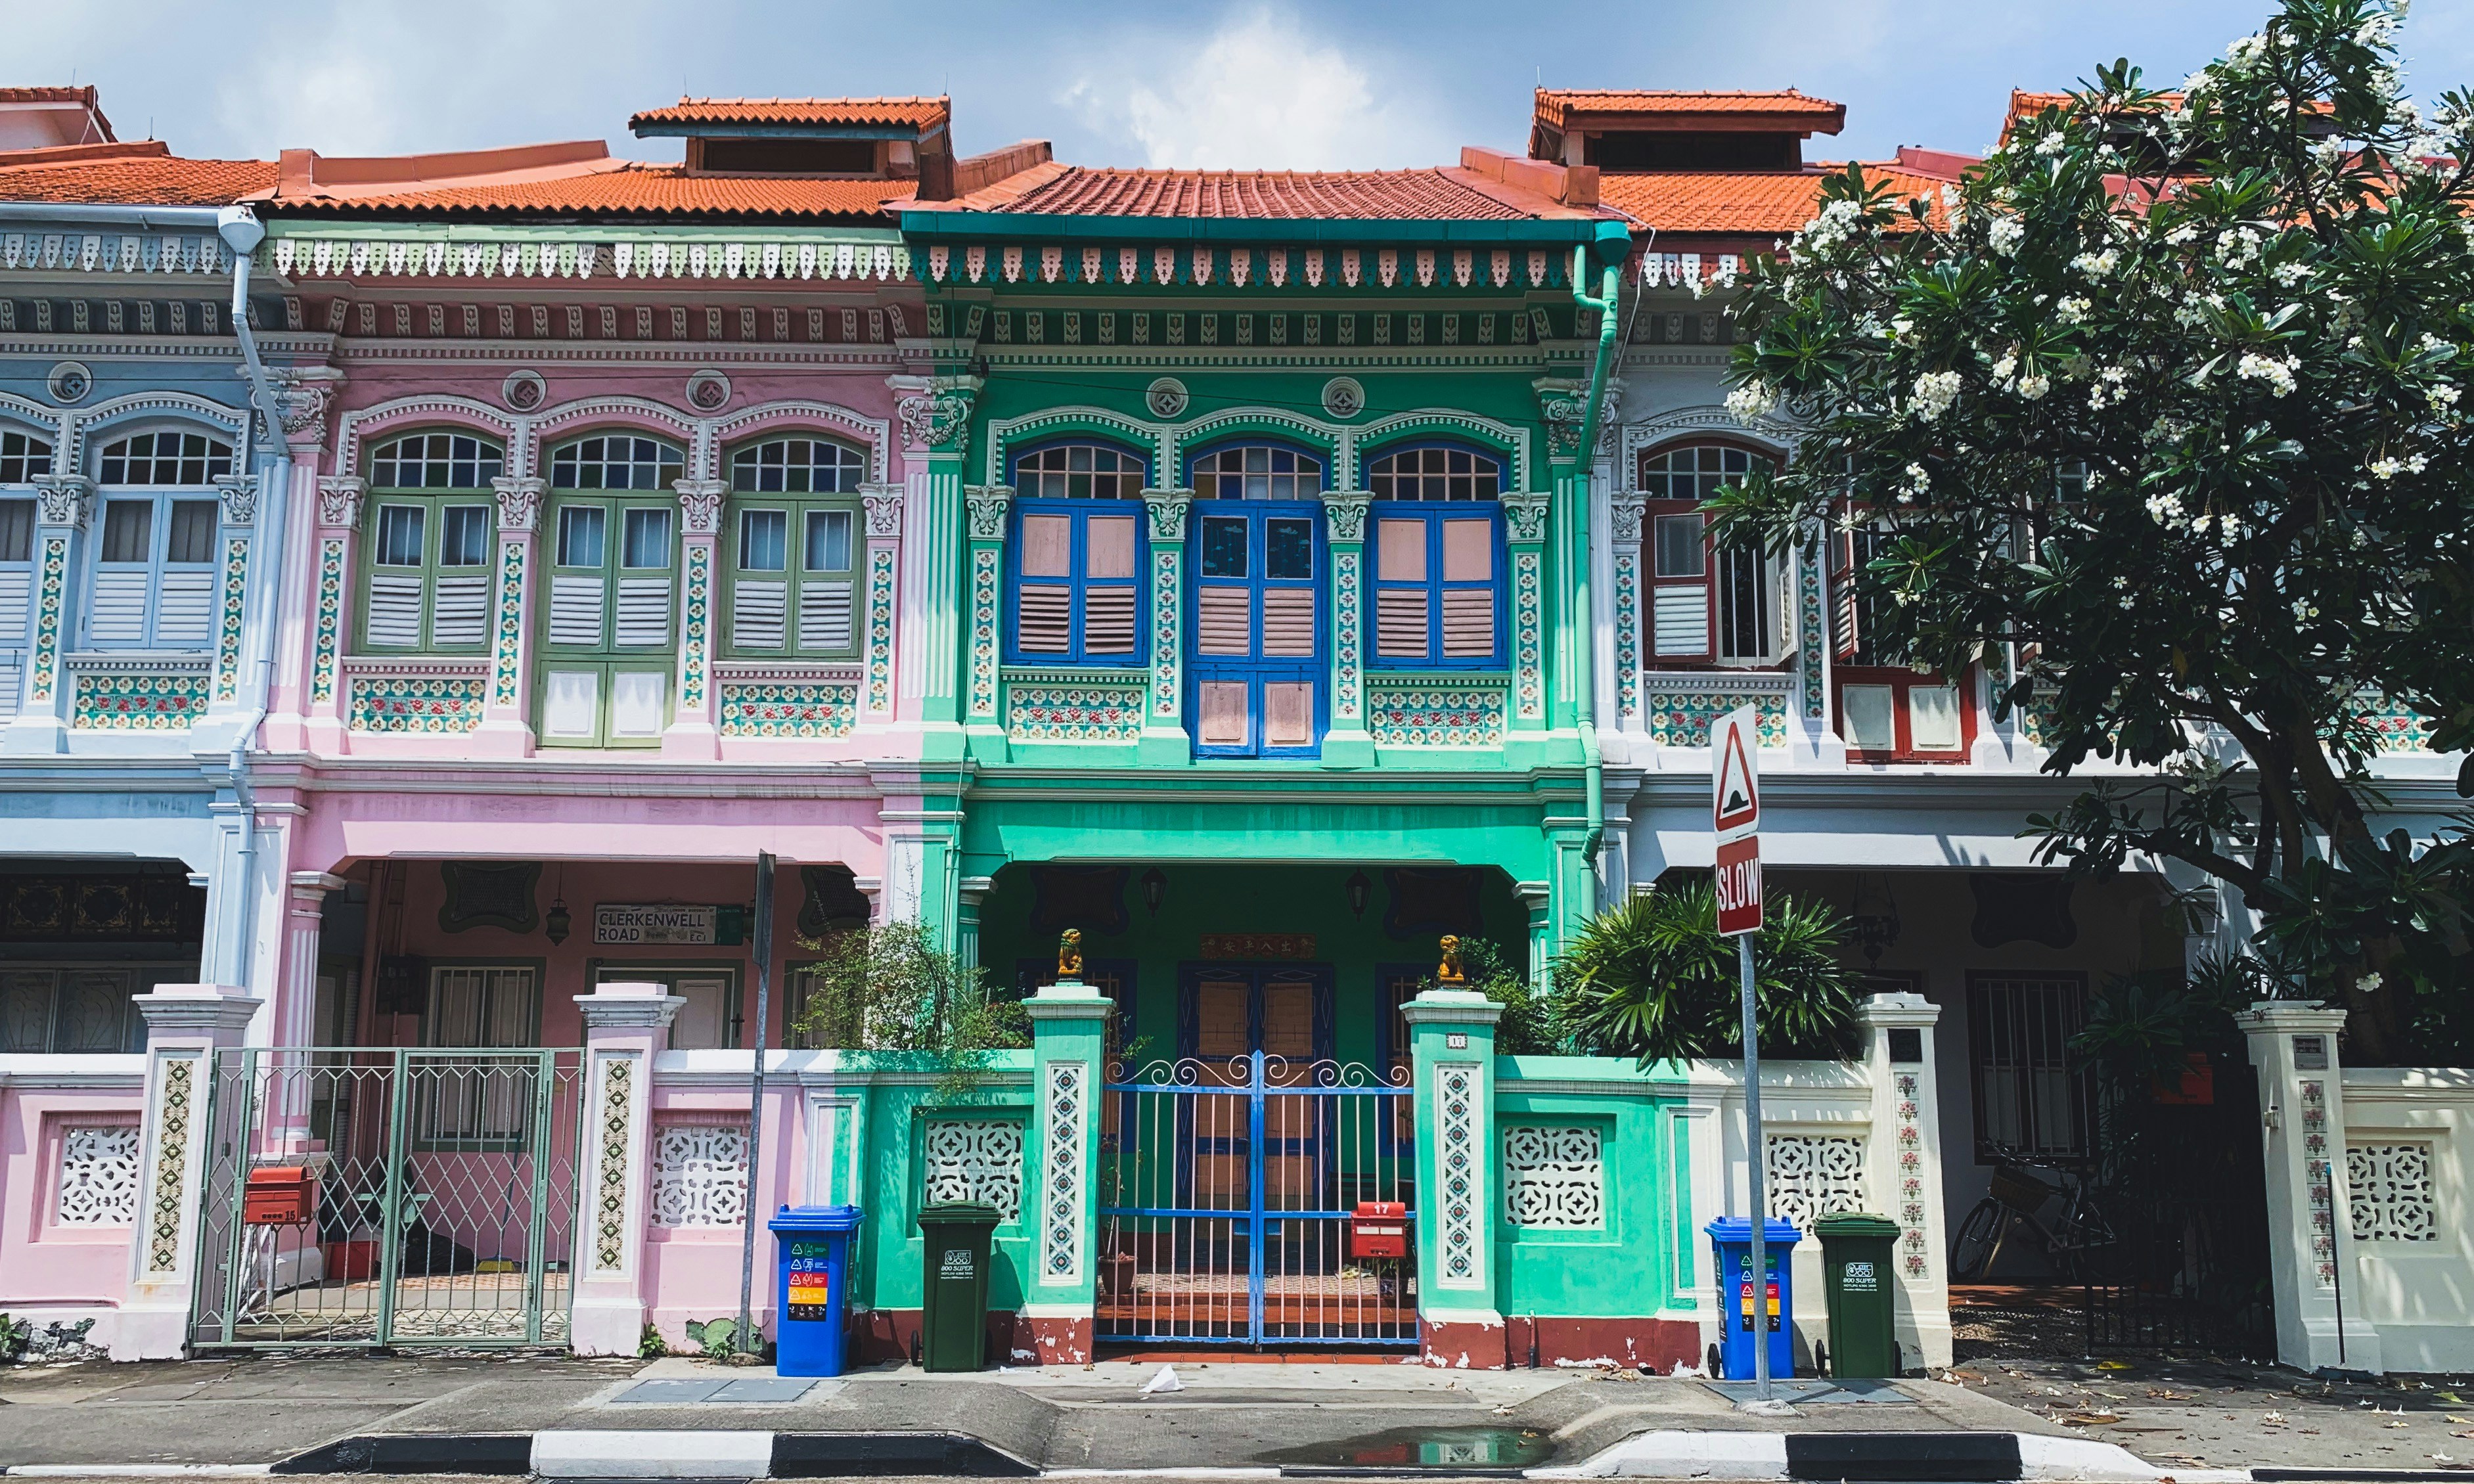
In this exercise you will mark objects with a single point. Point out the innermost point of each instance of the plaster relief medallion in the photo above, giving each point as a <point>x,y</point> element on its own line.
<point>69,383</point>
<point>1343,397</point>
<point>1166,398</point>
<point>525,391</point>
<point>708,390</point>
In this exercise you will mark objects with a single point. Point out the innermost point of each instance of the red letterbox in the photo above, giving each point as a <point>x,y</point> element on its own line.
<point>1379,1228</point>
<point>280,1195</point>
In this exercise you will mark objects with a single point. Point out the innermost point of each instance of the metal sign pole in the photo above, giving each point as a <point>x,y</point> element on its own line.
<point>763,945</point>
<point>1756,1158</point>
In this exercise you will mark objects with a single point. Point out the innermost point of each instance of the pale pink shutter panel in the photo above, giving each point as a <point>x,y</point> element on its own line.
<point>1108,612</point>
<point>1400,613</point>
<point>1223,713</point>
<point>1227,625</point>
<point>1288,713</point>
<point>1044,612</point>
<point>1288,623</point>
<point>1469,613</point>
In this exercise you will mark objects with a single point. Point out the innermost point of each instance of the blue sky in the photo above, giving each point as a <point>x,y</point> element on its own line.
<point>1329,86</point>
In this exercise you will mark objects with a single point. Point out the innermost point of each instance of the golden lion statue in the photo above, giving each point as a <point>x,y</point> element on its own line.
<point>1449,971</point>
<point>1069,954</point>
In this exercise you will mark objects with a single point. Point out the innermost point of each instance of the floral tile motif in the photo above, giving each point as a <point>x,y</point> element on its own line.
<point>1627,634</point>
<point>1914,1248</point>
<point>2400,727</point>
<point>986,563</point>
<point>2035,718</point>
<point>170,1165</point>
<point>416,704</point>
<point>1528,642</point>
<point>1167,603</point>
<point>1347,691</point>
<point>506,666</point>
<point>51,590</point>
<point>880,629</point>
<point>1435,717</point>
<point>695,649</point>
<point>766,709</point>
<point>328,639</point>
<point>137,703</point>
<point>1815,631</point>
<point>2319,1181</point>
<point>1682,719</point>
<point>227,628</point>
<point>1056,713</point>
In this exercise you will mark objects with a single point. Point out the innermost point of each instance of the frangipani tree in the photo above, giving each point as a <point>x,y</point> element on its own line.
<point>2161,417</point>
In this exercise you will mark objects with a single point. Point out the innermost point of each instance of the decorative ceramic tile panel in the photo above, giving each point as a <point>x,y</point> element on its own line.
<point>880,629</point>
<point>109,702</point>
<point>1168,603</point>
<point>228,629</point>
<point>1554,1178</point>
<point>328,641</point>
<point>986,563</point>
<point>1060,712</point>
<point>1434,716</point>
<point>98,1184</point>
<point>415,704</point>
<point>1915,1249</point>
<point>2401,729</point>
<point>974,1159</point>
<point>763,709</point>
<point>1627,634</point>
<point>610,1179</point>
<point>1682,719</point>
<point>2389,1185</point>
<point>700,1175</point>
<point>1347,692</point>
<point>1063,1119</point>
<point>51,590</point>
<point>695,652</point>
<point>2319,1181</point>
<point>1812,631</point>
<point>2036,718</point>
<point>165,1219</point>
<point>1528,635</point>
<point>1461,1259</point>
<point>506,665</point>
<point>1811,1176</point>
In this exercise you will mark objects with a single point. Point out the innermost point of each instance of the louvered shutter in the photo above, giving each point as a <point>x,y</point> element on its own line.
<point>1288,622</point>
<point>459,611</point>
<point>576,610</point>
<point>395,611</point>
<point>1108,619</point>
<point>1044,619</point>
<point>1403,613</point>
<point>1469,623</point>
<point>1680,589</point>
<point>119,608</point>
<point>16,604</point>
<point>184,609</point>
<point>1844,637</point>
<point>1226,623</point>
<point>755,614</point>
<point>1401,623</point>
<point>824,614</point>
<point>643,613</point>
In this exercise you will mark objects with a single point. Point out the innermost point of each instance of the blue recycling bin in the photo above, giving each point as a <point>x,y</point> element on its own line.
<point>1737,1308</point>
<point>811,1264</point>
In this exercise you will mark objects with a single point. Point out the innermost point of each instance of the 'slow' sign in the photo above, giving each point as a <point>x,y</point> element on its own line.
<point>1735,818</point>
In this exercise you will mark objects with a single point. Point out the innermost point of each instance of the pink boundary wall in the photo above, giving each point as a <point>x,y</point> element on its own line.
<point>50,1272</point>
<point>692,1272</point>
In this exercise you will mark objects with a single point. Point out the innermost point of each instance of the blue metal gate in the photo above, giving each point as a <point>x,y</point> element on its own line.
<point>1226,1188</point>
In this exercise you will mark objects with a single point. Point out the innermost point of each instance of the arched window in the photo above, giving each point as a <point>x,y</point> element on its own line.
<point>23,459</point>
<point>1078,555</point>
<point>1079,470</point>
<point>155,568</point>
<point>612,527</point>
<point>1438,557</point>
<point>1256,471</point>
<point>793,545</point>
<point>1707,604</point>
<point>427,559</point>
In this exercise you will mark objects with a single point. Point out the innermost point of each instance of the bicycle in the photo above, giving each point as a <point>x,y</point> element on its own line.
<point>2019,1196</point>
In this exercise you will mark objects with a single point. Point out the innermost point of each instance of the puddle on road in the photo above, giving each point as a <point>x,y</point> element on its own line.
<point>1424,1447</point>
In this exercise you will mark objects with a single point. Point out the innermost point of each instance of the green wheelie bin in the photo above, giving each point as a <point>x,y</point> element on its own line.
<point>954,1325</point>
<point>1858,1279</point>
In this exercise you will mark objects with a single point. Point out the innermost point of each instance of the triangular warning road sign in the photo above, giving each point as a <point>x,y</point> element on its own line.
<point>1737,803</point>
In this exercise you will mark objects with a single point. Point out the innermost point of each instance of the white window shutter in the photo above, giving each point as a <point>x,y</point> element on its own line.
<point>636,702</point>
<point>460,611</point>
<point>576,610</point>
<point>16,604</point>
<point>643,613</point>
<point>395,611</point>
<point>119,611</point>
<point>184,609</point>
<point>824,614</point>
<point>755,614</point>
<point>574,705</point>
<point>1680,617</point>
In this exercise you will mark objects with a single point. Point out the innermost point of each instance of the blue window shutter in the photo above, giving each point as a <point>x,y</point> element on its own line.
<point>1078,581</point>
<point>1439,585</point>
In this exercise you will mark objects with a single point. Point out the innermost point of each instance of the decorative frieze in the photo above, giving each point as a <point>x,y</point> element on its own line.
<point>801,708</point>
<point>1434,715</point>
<point>308,251</point>
<point>1077,712</point>
<point>1680,715</point>
<point>114,700</point>
<point>415,704</point>
<point>115,251</point>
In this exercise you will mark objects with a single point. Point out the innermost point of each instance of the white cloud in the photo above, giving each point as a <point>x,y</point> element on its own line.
<point>1260,91</point>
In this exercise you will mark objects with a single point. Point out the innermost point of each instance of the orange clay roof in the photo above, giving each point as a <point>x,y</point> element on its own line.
<point>1767,203</point>
<point>145,176</point>
<point>1412,195</point>
<point>1786,109</point>
<point>924,112</point>
<point>631,190</point>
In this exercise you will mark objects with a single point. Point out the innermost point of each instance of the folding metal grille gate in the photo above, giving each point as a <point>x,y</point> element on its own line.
<point>1225,1194</point>
<point>441,1211</point>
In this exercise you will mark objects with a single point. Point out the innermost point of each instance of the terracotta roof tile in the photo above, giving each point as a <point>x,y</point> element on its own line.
<point>1556,106</point>
<point>1753,203</point>
<point>925,113</point>
<point>1414,195</point>
<point>636,190</point>
<point>148,179</point>
<point>84,95</point>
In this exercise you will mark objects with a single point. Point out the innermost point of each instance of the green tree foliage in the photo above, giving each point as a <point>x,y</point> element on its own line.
<point>889,988</point>
<point>1652,979</point>
<point>2159,415</point>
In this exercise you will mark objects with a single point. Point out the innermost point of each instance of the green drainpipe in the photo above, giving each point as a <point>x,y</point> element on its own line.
<point>1614,243</point>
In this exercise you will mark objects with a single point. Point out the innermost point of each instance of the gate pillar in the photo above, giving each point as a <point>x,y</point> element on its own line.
<point>2310,1225</point>
<point>184,1024</point>
<point>1068,1027</point>
<point>623,1025</point>
<point>1905,1157</point>
<point>1452,1034</point>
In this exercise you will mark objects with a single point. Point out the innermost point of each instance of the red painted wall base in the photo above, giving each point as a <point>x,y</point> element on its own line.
<point>1656,1343</point>
<point>1013,1339</point>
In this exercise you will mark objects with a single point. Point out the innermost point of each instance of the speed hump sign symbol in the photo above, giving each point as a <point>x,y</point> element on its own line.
<point>1735,818</point>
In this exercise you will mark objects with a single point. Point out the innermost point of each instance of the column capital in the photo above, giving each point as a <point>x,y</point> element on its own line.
<point>1628,511</point>
<point>1454,1006</point>
<point>2276,1017</point>
<point>1524,514</point>
<point>618,1006</point>
<point>1344,514</point>
<point>62,499</point>
<point>700,505</point>
<point>238,494</point>
<point>340,497</point>
<point>1563,402</point>
<point>884,503</point>
<point>1902,1009</point>
<point>1168,509</point>
<point>519,501</point>
<point>309,890</point>
<point>983,506</point>
<point>228,1009</point>
<point>934,412</point>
